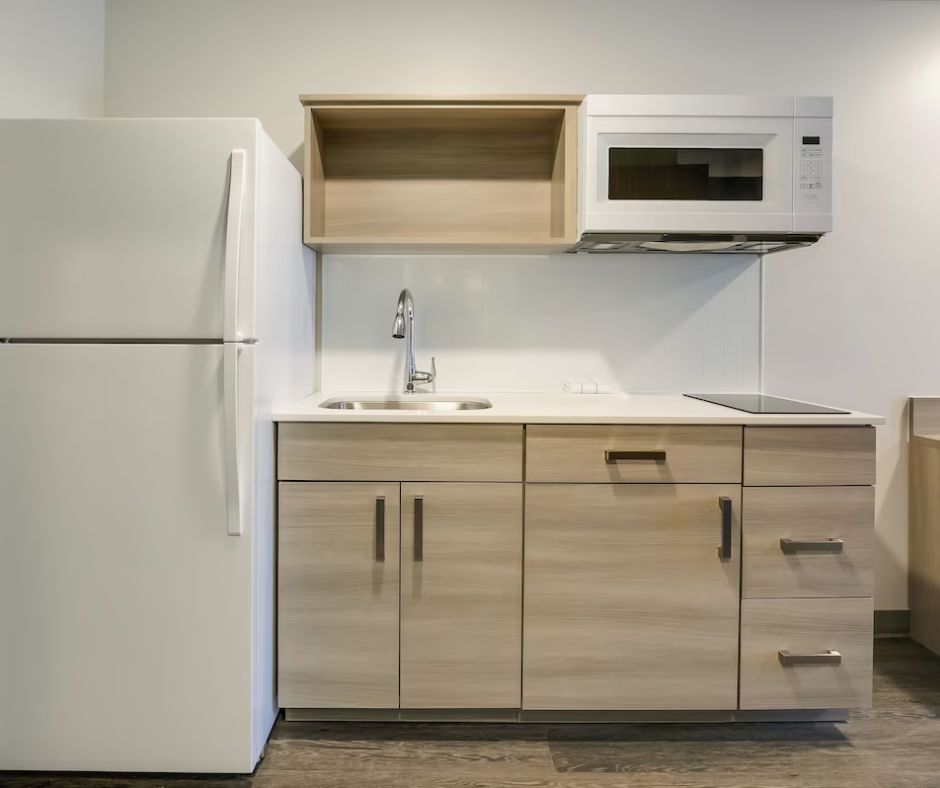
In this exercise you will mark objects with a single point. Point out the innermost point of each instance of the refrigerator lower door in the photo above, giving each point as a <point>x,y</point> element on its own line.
<point>128,228</point>
<point>125,606</point>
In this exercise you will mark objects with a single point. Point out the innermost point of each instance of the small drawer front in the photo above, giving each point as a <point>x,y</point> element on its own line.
<point>806,653</point>
<point>399,452</point>
<point>809,456</point>
<point>808,541</point>
<point>648,453</point>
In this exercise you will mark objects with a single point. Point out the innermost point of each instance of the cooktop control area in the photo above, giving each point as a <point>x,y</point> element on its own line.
<point>762,403</point>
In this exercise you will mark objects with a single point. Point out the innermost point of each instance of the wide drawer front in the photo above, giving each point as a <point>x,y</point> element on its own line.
<point>806,653</point>
<point>809,455</point>
<point>808,541</point>
<point>400,452</point>
<point>648,453</point>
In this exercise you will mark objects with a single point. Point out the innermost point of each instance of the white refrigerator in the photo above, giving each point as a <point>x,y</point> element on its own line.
<point>155,298</point>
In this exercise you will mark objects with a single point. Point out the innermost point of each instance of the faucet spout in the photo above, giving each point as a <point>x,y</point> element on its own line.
<point>403,328</point>
<point>398,327</point>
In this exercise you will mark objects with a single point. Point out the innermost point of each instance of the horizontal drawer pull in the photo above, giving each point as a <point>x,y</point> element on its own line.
<point>789,660</point>
<point>611,457</point>
<point>792,546</point>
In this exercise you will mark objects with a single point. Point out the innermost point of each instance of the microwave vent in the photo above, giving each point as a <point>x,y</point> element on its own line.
<point>688,243</point>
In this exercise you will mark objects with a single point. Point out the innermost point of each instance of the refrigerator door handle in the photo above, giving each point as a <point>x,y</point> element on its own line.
<point>233,233</point>
<point>233,493</point>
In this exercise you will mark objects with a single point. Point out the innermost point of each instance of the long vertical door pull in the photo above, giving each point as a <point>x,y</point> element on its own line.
<point>724,551</point>
<point>380,528</point>
<point>419,529</point>
<point>233,233</point>
<point>230,417</point>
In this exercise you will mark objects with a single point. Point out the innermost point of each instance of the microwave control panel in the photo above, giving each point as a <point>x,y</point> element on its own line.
<point>811,166</point>
<point>812,174</point>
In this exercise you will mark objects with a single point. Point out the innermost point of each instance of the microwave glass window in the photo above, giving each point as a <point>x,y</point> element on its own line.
<point>686,174</point>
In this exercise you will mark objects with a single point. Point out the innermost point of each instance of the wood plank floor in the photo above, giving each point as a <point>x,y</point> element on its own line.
<point>895,745</point>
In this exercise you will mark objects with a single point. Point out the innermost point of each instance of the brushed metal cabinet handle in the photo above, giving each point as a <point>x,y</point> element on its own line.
<point>380,528</point>
<point>419,529</point>
<point>792,546</point>
<point>789,660</point>
<point>724,551</point>
<point>611,456</point>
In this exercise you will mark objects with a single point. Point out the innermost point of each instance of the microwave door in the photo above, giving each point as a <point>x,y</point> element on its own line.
<point>686,173</point>
<point>690,175</point>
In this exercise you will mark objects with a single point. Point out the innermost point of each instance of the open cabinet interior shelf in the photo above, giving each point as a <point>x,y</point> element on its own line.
<point>469,174</point>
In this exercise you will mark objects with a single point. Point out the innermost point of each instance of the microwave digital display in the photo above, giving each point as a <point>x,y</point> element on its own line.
<point>706,174</point>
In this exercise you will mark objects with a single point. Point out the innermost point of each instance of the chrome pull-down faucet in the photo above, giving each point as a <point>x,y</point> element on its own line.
<point>404,328</point>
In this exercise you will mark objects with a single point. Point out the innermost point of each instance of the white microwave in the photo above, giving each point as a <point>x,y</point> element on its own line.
<point>704,173</point>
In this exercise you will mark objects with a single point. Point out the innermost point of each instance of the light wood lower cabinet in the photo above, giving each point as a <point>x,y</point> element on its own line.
<point>668,453</point>
<point>807,456</point>
<point>621,591</point>
<point>628,604</point>
<point>806,653</point>
<point>461,595</point>
<point>373,617</point>
<point>806,612</point>
<point>808,541</point>
<point>338,595</point>
<point>399,452</point>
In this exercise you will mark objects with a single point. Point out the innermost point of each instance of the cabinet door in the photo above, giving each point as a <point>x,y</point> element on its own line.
<point>461,596</point>
<point>338,546</point>
<point>628,604</point>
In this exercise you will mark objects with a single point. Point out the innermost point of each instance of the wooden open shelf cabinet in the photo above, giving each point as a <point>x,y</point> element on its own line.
<point>440,174</point>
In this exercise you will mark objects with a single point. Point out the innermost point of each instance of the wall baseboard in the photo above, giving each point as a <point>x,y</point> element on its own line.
<point>892,623</point>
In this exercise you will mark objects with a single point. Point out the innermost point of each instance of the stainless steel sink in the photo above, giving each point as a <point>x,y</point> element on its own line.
<point>411,402</point>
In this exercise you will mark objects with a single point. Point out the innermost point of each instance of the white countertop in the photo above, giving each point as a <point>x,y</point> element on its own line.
<point>560,408</point>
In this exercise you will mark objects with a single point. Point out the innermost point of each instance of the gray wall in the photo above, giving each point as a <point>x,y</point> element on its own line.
<point>51,58</point>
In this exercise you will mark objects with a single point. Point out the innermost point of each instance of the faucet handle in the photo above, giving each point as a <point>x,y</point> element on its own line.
<point>425,377</point>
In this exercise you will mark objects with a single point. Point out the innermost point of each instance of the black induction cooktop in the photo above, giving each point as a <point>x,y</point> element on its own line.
<point>761,403</point>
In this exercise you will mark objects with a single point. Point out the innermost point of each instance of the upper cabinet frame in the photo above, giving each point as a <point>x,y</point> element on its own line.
<point>458,174</point>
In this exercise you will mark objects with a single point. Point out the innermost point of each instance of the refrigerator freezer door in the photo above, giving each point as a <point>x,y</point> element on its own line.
<point>117,228</point>
<point>125,606</point>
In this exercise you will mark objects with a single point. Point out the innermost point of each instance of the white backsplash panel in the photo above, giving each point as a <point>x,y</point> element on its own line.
<point>527,323</point>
